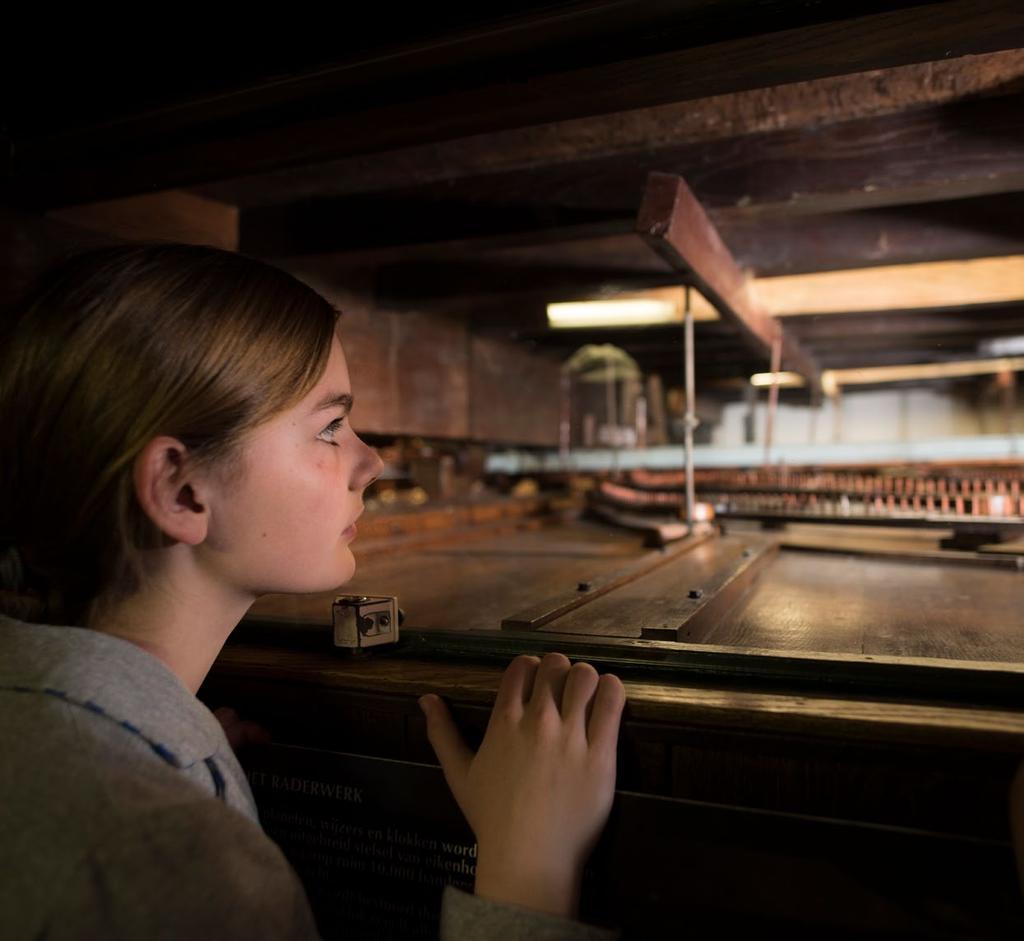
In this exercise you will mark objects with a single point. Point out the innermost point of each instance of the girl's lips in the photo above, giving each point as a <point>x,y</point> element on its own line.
<point>350,533</point>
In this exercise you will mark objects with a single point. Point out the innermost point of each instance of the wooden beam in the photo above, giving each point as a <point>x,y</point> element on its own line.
<point>895,287</point>
<point>949,152</point>
<point>487,277</point>
<point>174,148</point>
<point>173,215</point>
<point>642,131</point>
<point>913,349</point>
<point>30,243</point>
<point>952,151</point>
<point>674,224</point>
<point>872,375</point>
<point>972,149</point>
<point>314,227</point>
<point>442,283</point>
<point>846,357</point>
<point>883,326</point>
<point>946,230</point>
<point>637,341</point>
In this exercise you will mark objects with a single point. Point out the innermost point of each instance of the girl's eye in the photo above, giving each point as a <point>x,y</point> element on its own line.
<point>331,430</point>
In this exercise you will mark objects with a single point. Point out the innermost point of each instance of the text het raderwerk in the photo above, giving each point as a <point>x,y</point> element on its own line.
<point>307,786</point>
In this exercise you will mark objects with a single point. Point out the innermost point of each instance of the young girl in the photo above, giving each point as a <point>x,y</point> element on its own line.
<point>175,442</point>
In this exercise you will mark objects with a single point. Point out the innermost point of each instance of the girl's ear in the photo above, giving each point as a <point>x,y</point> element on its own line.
<point>170,492</point>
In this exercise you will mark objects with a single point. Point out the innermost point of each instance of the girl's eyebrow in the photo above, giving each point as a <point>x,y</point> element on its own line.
<point>334,400</point>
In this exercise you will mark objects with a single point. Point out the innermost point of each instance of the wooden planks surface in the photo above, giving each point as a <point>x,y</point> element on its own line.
<point>802,601</point>
<point>650,703</point>
<point>474,586</point>
<point>851,604</point>
<point>662,598</point>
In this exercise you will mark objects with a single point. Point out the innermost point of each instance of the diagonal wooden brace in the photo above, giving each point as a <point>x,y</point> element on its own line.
<point>673,222</point>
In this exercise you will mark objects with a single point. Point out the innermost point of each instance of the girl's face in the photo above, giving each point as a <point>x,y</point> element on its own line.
<point>287,524</point>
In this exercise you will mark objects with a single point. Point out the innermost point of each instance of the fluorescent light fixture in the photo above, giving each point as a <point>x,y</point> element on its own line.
<point>783,380</point>
<point>633,312</point>
<point>1002,346</point>
<point>639,309</point>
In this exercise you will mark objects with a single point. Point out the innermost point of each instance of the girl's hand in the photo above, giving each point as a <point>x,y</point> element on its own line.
<point>538,792</point>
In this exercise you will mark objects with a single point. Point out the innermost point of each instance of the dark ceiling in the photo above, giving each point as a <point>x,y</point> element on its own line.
<point>483,163</point>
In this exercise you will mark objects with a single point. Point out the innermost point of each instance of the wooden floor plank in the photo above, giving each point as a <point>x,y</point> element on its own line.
<point>852,604</point>
<point>803,601</point>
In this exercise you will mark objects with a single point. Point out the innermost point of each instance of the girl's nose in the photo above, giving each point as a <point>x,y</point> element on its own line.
<point>370,468</point>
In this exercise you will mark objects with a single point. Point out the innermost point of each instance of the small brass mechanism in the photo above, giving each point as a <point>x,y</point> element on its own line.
<point>362,621</point>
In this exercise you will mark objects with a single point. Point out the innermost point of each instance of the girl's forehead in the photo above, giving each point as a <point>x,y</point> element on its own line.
<point>335,374</point>
<point>332,385</point>
<point>332,390</point>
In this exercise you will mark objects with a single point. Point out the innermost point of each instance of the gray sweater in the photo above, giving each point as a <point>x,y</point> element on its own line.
<point>126,814</point>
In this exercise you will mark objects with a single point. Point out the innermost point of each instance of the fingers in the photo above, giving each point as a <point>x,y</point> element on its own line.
<point>549,683</point>
<point>452,752</point>
<point>580,686</point>
<point>588,701</point>
<point>609,700</point>
<point>516,686</point>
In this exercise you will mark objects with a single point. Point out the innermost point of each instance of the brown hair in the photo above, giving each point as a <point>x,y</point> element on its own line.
<point>117,346</point>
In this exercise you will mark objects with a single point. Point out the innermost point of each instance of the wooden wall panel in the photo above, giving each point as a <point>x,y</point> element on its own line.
<point>410,373</point>
<point>368,338</point>
<point>430,353</point>
<point>417,373</point>
<point>514,394</point>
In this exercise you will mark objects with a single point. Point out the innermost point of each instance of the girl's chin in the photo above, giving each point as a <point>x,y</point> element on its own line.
<point>347,568</point>
<point>340,572</point>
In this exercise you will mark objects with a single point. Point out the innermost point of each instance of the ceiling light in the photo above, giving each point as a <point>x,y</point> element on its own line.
<point>640,309</point>
<point>619,313</point>
<point>784,380</point>
<point>1002,346</point>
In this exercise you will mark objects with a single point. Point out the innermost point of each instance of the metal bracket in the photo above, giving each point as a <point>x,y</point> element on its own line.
<point>362,621</point>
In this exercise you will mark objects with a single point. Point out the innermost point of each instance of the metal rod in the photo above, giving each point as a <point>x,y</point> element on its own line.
<point>612,416</point>
<point>565,418</point>
<point>1013,415</point>
<point>773,395</point>
<point>690,422</point>
<point>1007,381</point>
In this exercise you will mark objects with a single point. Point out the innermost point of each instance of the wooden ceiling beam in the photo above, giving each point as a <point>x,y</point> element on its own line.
<point>944,230</point>
<point>642,131</point>
<point>452,285</point>
<point>171,215</point>
<point>192,143</point>
<point>928,286</point>
<point>968,151</point>
<point>882,327</point>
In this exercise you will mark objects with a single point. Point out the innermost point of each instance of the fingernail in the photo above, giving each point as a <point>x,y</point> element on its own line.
<point>423,701</point>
